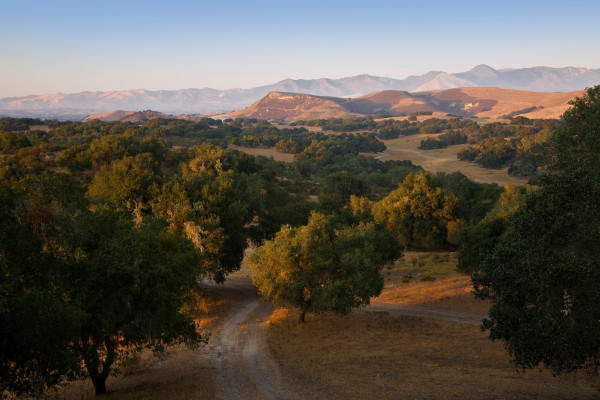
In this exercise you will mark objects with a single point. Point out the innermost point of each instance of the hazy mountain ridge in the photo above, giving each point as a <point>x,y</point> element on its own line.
<point>207,100</point>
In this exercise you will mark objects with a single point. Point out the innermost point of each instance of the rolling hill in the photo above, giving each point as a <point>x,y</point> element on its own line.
<point>207,100</point>
<point>483,102</point>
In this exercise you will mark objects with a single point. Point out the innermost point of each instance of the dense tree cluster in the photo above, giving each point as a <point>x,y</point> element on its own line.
<point>518,145</point>
<point>391,128</point>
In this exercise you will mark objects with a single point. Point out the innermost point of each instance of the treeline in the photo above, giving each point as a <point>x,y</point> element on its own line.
<point>444,140</point>
<point>390,128</point>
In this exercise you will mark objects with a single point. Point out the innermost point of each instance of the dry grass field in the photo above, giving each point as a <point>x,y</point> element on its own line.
<point>444,160</point>
<point>267,152</point>
<point>386,355</point>
<point>368,355</point>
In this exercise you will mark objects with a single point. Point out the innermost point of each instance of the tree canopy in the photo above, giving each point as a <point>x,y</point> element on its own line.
<point>80,287</point>
<point>418,212</point>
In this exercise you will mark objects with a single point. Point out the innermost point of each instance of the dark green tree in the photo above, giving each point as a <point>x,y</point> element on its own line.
<point>479,240</point>
<point>543,276</point>
<point>81,287</point>
<point>37,325</point>
<point>131,284</point>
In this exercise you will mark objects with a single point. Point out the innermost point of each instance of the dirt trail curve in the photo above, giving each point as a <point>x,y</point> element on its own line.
<point>244,366</point>
<point>239,352</point>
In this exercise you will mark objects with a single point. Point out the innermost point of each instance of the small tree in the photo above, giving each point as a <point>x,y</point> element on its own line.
<point>318,268</point>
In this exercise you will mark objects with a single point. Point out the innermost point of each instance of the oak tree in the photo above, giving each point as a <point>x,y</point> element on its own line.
<point>319,267</point>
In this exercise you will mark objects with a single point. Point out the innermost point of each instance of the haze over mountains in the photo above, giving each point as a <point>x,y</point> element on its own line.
<point>186,101</point>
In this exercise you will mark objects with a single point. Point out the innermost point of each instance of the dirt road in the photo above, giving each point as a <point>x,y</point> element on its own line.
<point>239,353</point>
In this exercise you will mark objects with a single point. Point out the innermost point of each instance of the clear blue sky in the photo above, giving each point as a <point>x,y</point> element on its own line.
<point>71,46</point>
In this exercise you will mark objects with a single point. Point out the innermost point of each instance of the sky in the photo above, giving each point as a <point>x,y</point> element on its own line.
<point>73,46</point>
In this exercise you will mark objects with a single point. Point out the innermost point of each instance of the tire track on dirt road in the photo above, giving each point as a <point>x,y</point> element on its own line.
<point>244,366</point>
<point>239,353</point>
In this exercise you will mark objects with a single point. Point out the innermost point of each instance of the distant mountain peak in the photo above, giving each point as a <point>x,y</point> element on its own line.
<point>483,70</point>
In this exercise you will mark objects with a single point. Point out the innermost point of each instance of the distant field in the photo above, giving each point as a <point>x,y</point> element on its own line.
<point>438,160</point>
<point>44,128</point>
<point>256,151</point>
<point>443,160</point>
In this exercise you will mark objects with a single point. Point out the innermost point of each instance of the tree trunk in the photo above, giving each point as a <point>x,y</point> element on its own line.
<point>93,362</point>
<point>301,316</point>
<point>100,384</point>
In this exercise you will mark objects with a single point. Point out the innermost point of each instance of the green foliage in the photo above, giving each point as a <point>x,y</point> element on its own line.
<point>337,189</point>
<point>523,166</point>
<point>36,325</point>
<point>318,268</point>
<point>417,212</point>
<point>125,180</point>
<point>333,146</point>
<point>80,288</point>
<point>478,240</point>
<point>475,200</point>
<point>522,153</point>
<point>542,276</point>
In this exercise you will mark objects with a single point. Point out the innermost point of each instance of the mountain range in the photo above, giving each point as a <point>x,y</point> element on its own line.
<point>200,101</point>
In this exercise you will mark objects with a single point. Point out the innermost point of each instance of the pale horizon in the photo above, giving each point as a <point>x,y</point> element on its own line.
<point>70,47</point>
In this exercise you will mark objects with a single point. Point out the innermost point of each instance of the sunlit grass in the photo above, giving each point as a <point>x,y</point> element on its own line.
<point>368,355</point>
